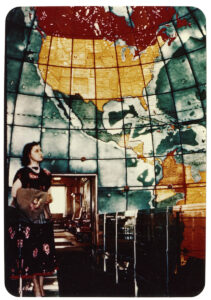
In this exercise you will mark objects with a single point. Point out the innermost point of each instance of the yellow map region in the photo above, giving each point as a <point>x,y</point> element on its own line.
<point>182,182</point>
<point>97,70</point>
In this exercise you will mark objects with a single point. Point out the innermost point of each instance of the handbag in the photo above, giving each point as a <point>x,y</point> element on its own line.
<point>31,202</point>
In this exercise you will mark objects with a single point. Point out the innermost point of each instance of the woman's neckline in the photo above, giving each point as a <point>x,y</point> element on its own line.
<point>33,168</point>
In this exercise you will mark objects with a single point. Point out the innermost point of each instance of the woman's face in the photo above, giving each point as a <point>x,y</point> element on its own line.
<point>36,154</point>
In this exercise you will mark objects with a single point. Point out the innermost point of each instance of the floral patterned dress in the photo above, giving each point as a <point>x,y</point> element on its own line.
<point>31,245</point>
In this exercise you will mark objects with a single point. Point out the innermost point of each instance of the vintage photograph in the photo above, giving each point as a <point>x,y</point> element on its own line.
<point>105,151</point>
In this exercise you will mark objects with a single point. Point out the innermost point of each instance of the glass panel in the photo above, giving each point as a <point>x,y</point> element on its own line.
<point>13,69</point>
<point>56,113</point>
<point>111,200</point>
<point>21,136</point>
<point>30,82</point>
<point>9,129</point>
<point>201,20</point>
<point>192,37</point>
<point>112,173</point>
<point>188,105</point>
<point>159,82</point>
<point>193,138</point>
<point>139,142</point>
<point>14,166</point>
<point>56,165</point>
<point>55,143</point>
<point>142,199</point>
<point>195,168</point>
<point>166,139</point>
<point>141,172</point>
<point>33,49</point>
<point>28,110</point>
<point>110,149</point>
<point>198,64</point>
<point>180,73</point>
<point>87,166</point>
<point>16,40</point>
<point>82,144</point>
<point>11,98</point>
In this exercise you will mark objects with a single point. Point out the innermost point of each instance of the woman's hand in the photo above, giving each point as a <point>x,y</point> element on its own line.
<point>36,203</point>
<point>49,199</point>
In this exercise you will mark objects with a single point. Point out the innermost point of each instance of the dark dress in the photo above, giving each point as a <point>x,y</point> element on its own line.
<point>31,244</point>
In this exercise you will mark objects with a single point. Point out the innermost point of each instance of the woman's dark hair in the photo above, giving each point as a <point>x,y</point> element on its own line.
<point>25,160</point>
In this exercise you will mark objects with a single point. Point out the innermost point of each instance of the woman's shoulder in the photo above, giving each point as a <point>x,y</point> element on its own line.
<point>45,172</point>
<point>21,173</point>
<point>22,170</point>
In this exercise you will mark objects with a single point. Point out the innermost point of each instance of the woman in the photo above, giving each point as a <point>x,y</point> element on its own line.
<point>33,240</point>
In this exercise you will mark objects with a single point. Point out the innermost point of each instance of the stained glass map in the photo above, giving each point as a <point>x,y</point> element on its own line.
<point>115,91</point>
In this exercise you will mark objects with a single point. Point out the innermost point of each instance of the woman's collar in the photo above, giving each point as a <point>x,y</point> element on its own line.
<point>34,168</point>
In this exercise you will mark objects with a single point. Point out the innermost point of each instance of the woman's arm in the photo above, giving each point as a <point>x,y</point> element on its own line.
<point>49,197</point>
<point>47,211</point>
<point>16,185</point>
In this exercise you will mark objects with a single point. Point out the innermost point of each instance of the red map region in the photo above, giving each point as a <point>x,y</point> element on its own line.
<point>93,22</point>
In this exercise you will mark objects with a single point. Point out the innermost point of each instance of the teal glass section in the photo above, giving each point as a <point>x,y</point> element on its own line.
<point>111,200</point>
<point>140,199</point>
